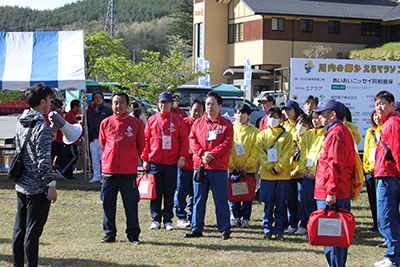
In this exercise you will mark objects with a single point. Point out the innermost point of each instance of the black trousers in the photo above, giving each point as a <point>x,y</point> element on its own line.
<point>32,212</point>
<point>71,157</point>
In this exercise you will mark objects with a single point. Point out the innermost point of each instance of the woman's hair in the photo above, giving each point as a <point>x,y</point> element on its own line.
<point>243,108</point>
<point>372,118</point>
<point>304,118</point>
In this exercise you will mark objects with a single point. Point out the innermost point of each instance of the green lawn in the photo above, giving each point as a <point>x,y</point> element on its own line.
<point>74,229</point>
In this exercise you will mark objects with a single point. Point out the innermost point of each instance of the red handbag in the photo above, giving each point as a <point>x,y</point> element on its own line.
<point>331,227</point>
<point>244,190</point>
<point>146,184</point>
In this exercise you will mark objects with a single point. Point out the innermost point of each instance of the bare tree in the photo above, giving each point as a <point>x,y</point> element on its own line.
<point>316,51</point>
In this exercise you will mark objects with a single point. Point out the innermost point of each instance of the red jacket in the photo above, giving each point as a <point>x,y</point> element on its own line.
<point>220,147</point>
<point>122,140</point>
<point>390,135</point>
<point>189,159</point>
<point>336,164</point>
<point>71,118</point>
<point>263,123</point>
<point>172,125</point>
<point>59,137</point>
<point>180,111</point>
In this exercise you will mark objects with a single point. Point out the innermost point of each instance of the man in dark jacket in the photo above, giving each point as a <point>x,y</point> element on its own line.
<point>95,115</point>
<point>36,188</point>
<point>387,174</point>
<point>122,139</point>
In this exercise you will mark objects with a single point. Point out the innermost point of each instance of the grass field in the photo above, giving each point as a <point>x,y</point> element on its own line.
<point>74,229</point>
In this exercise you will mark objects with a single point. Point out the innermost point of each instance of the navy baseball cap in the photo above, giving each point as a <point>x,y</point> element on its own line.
<point>291,104</point>
<point>165,96</point>
<point>266,99</point>
<point>397,105</point>
<point>333,105</point>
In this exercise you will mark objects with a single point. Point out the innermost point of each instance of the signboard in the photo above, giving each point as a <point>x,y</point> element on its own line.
<point>201,65</point>
<point>247,74</point>
<point>352,82</point>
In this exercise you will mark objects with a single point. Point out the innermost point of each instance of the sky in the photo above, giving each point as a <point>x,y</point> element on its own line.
<point>36,4</point>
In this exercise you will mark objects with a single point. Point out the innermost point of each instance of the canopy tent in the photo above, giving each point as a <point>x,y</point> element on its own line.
<point>55,58</point>
<point>227,90</point>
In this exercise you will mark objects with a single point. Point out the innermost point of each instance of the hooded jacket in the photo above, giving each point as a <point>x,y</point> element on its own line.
<point>38,171</point>
<point>94,118</point>
<point>311,146</point>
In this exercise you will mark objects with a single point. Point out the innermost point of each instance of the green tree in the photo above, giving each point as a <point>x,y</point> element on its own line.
<point>98,46</point>
<point>182,25</point>
<point>159,73</point>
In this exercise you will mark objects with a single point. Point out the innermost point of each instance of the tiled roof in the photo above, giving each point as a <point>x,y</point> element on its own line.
<point>353,9</point>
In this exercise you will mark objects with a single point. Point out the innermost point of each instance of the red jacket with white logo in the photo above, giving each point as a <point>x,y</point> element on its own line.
<point>189,159</point>
<point>167,124</point>
<point>390,135</point>
<point>122,140</point>
<point>336,164</point>
<point>220,147</point>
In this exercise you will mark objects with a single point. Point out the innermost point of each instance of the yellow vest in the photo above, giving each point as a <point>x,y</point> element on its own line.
<point>284,148</point>
<point>354,131</point>
<point>247,135</point>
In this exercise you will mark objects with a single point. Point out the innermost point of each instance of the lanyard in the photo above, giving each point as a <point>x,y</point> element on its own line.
<point>161,126</point>
<point>213,127</point>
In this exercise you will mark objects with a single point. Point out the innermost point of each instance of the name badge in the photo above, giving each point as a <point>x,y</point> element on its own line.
<point>166,142</point>
<point>272,155</point>
<point>239,147</point>
<point>372,155</point>
<point>311,159</point>
<point>211,135</point>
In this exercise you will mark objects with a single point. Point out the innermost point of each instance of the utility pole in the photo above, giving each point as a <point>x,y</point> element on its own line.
<point>112,19</point>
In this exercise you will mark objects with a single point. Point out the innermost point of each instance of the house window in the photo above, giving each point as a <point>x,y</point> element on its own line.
<point>334,26</point>
<point>278,24</point>
<point>370,29</point>
<point>235,33</point>
<point>199,39</point>
<point>306,25</point>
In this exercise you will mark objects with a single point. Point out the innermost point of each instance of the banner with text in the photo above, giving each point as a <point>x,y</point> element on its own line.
<point>352,82</point>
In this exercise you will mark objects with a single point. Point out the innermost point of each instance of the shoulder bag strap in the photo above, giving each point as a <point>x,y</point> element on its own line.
<point>376,140</point>
<point>277,138</point>
<point>27,136</point>
<point>383,143</point>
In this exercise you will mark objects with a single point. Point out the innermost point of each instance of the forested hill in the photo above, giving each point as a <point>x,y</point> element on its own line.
<point>14,18</point>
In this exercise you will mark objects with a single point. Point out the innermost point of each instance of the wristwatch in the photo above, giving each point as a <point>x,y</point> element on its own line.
<point>52,183</point>
<point>182,158</point>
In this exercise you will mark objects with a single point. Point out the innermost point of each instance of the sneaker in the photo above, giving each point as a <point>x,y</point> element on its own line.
<point>183,223</point>
<point>372,230</point>
<point>245,224</point>
<point>155,225</point>
<point>169,226</point>
<point>291,230</point>
<point>236,222</point>
<point>93,180</point>
<point>268,237</point>
<point>134,240</point>
<point>279,237</point>
<point>193,234</point>
<point>382,245</point>
<point>61,174</point>
<point>384,263</point>
<point>225,236</point>
<point>305,238</point>
<point>301,231</point>
<point>108,239</point>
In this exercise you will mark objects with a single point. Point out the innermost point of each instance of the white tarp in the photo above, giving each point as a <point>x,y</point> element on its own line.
<point>352,82</point>
<point>55,58</point>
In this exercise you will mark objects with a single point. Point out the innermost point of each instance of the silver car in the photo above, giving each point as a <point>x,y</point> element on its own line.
<point>230,102</point>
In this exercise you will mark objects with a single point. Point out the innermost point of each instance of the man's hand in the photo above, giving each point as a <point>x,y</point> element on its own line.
<point>330,199</point>
<point>181,163</point>
<point>234,168</point>
<point>245,170</point>
<point>52,194</point>
<point>207,157</point>
<point>309,175</point>
<point>146,166</point>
